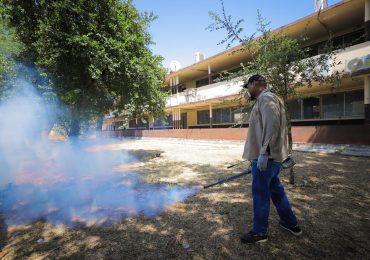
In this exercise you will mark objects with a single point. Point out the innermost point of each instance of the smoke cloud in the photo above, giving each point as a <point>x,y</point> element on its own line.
<point>65,182</point>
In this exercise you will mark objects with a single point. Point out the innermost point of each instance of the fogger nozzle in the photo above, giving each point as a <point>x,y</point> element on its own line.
<point>230,166</point>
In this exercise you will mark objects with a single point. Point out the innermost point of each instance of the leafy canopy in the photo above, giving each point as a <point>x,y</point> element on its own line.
<point>95,52</point>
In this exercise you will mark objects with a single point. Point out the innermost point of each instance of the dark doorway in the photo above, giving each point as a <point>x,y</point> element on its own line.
<point>184,121</point>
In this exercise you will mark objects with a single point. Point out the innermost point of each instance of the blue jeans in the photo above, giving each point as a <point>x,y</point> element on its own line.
<point>266,185</point>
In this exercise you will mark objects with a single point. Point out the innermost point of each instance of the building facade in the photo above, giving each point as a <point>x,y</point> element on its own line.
<point>197,100</point>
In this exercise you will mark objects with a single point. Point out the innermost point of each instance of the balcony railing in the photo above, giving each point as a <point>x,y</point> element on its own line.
<point>349,60</point>
<point>212,91</point>
<point>354,58</point>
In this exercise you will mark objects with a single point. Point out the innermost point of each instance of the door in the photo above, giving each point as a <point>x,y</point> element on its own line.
<point>184,121</point>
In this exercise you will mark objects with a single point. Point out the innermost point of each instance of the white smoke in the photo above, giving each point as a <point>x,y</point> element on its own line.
<point>66,182</point>
<point>22,117</point>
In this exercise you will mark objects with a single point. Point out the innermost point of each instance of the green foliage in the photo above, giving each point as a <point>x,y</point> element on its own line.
<point>9,48</point>
<point>95,52</point>
<point>279,57</point>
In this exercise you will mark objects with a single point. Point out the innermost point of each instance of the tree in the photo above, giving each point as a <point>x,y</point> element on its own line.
<point>280,58</point>
<point>96,54</point>
<point>9,48</point>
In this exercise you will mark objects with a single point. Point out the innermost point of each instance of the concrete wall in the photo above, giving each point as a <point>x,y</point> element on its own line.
<point>335,134</point>
<point>341,134</point>
<point>192,117</point>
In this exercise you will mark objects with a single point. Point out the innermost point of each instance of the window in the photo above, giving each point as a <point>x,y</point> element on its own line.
<point>221,115</point>
<point>312,50</point>
<point>165,121</point>
<point>216,77</point>
<point>143,122</point>
<point>241,114</point>
<point>333,105</point>
<point>235,70</point>
<point>132,123</point>
<point>354,38</point>
<point>177,88</point>
<point>118,125</point>
<point>354,104</point>
<point>294,109</point>
<point>203,117</point>
<point>345,40</point>
<point>201,82</point>
<point>139,123</point>
<point>311,107</point>
<point>182,87</point>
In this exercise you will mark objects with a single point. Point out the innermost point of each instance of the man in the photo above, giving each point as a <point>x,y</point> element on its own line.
<point>266,147</point>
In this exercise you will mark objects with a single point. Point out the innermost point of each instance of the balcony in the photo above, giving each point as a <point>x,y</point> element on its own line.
<point>202,94</point>
<point>354,59</point>
<point>351,60</point>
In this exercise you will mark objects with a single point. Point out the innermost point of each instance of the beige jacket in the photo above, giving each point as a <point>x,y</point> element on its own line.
<point>267,128</point>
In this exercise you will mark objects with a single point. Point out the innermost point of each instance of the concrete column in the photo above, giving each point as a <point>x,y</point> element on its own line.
<point>171,84</point>
<point>209,74</point>
<point>177,89</point>
<point>367,20</point>
<point>151,121</point>
<point>210,115</point>
<point>173,119</point>
<point>179,118</point>
<point>367,99</point>
<point>176,118</point>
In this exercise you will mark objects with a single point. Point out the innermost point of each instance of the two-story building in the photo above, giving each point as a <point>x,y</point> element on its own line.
<point>198,100</point>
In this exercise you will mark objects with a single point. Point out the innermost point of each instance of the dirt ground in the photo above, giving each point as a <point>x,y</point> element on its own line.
<point>331,198</point>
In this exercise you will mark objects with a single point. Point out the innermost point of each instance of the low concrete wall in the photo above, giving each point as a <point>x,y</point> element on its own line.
<point>203,133</point>
<point>333,134</point>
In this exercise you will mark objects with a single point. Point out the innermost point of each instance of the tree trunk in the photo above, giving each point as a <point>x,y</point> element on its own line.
<point>75,128</point>
<point>290,143</point>
<point>290,139</point>
<point>99,126</point>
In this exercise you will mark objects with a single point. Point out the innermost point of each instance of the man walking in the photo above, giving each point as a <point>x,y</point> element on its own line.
<point>266,147</point>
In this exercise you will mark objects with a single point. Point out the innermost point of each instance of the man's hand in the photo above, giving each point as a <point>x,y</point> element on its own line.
<point>262,162</point>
